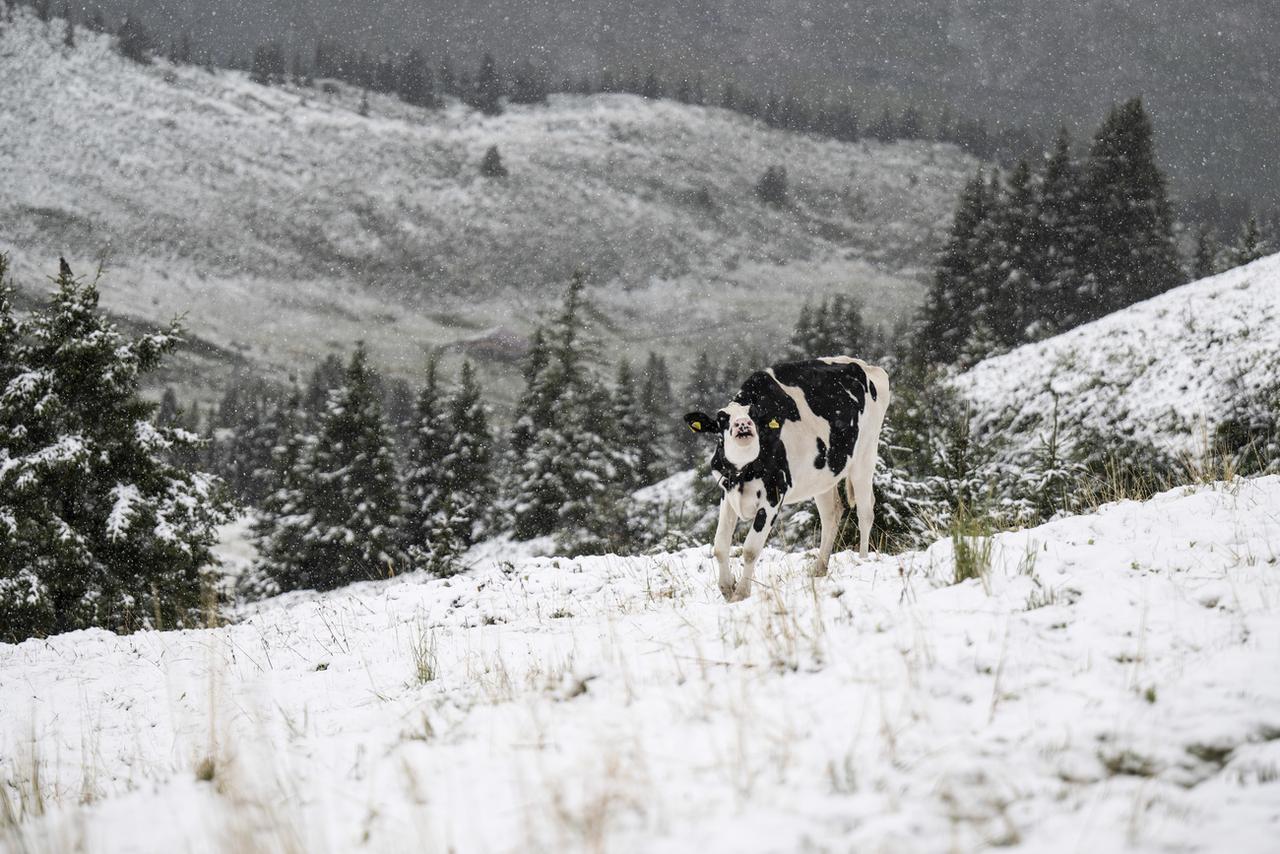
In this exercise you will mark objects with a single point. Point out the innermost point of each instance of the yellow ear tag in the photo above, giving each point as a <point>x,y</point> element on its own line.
<point>695,426</point>
<point>774,425</point>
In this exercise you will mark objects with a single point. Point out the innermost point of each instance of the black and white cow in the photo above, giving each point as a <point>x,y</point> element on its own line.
<point>791,433</point>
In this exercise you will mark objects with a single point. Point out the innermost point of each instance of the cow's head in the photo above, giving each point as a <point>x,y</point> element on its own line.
<point>740,430</point>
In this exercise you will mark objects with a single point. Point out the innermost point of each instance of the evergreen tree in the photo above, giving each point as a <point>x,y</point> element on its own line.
<point>569,474</point>
<point>326,377</point>
<point>415,84</point>
<point>772,186</point>
<point>1132,253</point>
<point>488,88</point>
<point>1062,230</point>
<point>652,86</point>
<point>884,128</point>
<point>555,364</point>
<point>910,124</point>
<point>801,344</point>
<point>280,525</point>
<point>529,85</point>
<point>467,466</point>
<point>633,427</point>
<point>1250,245</point>
<point>97,526</point>
<point>583,462</point>
<point>1205,261</point>
<point>533,412</point>
<point>423,482</point>
<point>492,165</point>
<point>167,413</point>
<point>268,64</point>
<point>134,41</point>
<point>1010,307</point>
<point>656,401</point>
<point>345,507</point>
<point>69,31</point>
<point>951,305</point>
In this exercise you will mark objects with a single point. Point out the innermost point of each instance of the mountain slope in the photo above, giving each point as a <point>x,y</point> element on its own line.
<point>1208,71</point>
<point>1102,693</point>
<point>287,224</point>
<point>1165,371</point>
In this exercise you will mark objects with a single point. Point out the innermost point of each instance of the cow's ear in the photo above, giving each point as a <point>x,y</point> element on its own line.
<point>700,422</point>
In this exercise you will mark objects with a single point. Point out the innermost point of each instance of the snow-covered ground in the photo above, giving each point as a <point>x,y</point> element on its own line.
<point>286,225</point>
<point>1112,685</point>
<point>1163,371</point>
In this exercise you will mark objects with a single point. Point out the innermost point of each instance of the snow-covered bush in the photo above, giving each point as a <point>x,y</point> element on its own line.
<point>98,527</point>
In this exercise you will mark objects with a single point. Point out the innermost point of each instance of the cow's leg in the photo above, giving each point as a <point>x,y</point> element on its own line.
<point>828,504</point>
<point>724,540</point>
<point>864,499</point>
<point>761,525</point>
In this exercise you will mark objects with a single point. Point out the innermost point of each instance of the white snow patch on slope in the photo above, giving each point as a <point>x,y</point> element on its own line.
<point>1160,371</point>
<point>1112,690</point>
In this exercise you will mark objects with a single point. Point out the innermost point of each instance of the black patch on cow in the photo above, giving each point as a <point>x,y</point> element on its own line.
<point>765,401</point>
<point>872,388</point>
<point>761,518</point>
<point>836,392</point>
<point>821,460</point>
<point>770,468</point>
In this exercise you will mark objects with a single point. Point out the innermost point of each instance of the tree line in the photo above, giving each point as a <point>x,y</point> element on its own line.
<point>1062,242</point>
<point>486,86</point>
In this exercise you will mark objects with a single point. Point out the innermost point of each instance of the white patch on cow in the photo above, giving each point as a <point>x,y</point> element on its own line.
<point>739,450</point>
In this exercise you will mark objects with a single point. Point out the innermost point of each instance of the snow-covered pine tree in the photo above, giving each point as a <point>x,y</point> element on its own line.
<point>467,467</point>
<point>1011,304</point>
<point>560,365</point>
<point>1132,252</point>
<point>569,474</point>
<point>1062,226</point>
<point>492,166</point>
<point>630,425</point>
<point>326,377</point>
<point>423,480</point>
<point>657,456</point>
<point>348,504</point>
<point>1250,245</point>
<point>281,523</point>
<point>588,467</point>
<point>488,88</point>
<point>97,526</point>
<point>953,299</point>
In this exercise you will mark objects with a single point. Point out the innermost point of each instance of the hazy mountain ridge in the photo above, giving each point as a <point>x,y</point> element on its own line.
<point>288,225</point>
<point>1208,70</point>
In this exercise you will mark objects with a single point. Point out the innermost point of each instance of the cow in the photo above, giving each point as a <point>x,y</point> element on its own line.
<point>793,432</point>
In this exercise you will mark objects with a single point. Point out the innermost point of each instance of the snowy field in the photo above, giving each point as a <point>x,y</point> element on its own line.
<point>288,225</point>
<point>1157,371</point>
<point>1110,685</point>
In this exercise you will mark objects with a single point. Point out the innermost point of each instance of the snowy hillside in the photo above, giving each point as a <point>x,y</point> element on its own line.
<point>289,225</point>
<point>1108,689</point>
<point>1161,371</point>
